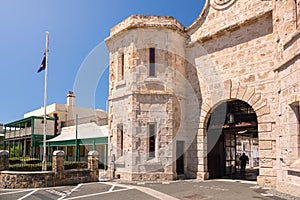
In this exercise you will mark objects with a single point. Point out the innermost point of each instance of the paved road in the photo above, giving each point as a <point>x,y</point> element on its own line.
<point>185,190</point>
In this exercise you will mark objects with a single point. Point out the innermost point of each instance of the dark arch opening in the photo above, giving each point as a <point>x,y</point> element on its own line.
<point>231,131</point>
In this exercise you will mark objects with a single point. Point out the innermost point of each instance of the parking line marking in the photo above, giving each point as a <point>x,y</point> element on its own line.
<point>90,195</point>
<point>19,191</point>
<point>75,188</point>
<point>155,193</point>
<point>112,188</point>
<point>69,193</point>
<point>27,195</point>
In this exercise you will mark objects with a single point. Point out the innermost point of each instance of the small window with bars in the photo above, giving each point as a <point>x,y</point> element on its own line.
<point>121,67</point>
<point>120,138</point>
<point>297,12</point>
<point>152,136</point>
<point>152,62</point>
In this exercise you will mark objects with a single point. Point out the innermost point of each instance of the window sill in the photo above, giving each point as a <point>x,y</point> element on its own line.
<point>120,84</point>
<point>293,37</point>
<point>153,79</point>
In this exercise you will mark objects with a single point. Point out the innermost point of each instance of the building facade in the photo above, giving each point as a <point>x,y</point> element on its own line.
<point>179,97</point>
<point>70,128</point>
<point>1,137</point>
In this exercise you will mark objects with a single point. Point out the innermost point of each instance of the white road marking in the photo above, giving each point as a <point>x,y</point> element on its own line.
<point>232,181</point>
<point>75,188</point>
<point>266,195</point>
<point>112,188</point>
<point>56,192</point>
<point>149,191</point>
<point>69,193</point>
<point>96,194</point>
<point>19,191</point>
<point>155,193</point>
<point>27,195</point>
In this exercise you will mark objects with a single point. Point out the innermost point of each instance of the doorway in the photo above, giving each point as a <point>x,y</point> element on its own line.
<point>231,131</point>
<point>180,157</point>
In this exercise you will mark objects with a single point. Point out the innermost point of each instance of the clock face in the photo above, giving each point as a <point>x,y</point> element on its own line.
<point>221,4</point>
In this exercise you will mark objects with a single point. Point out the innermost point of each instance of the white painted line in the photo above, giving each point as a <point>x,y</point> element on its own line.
<point>69,193</point>
<point>232,181</point>
<point>96,194</point>
<point>118,185</point>
<point>27,195</point>
<point>56,192</point>
<point>75,188</point>
<point>112,188</point>
<point>266,195</point>
<point>19,191</point>
<point>156,194</point>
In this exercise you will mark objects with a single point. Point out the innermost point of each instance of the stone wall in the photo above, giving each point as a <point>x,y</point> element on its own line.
<point>58,176</point>
<point>236,50</point>
<point>139,100</point>
<point>237,63</point>
<point>288,73</point>
<point>221,15</point>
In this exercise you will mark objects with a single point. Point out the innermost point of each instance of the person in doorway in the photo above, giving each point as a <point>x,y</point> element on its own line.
<point>244,159</point>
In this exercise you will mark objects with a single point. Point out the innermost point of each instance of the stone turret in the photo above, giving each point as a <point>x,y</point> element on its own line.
<point>147,55</point>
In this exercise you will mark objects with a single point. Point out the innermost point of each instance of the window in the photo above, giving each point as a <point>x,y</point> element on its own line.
<point>120,136</point>
<point>296,108</point>
<point>151,129</point>
<point>297,12</point>
<point>152,62</point>
<point>121,67</point>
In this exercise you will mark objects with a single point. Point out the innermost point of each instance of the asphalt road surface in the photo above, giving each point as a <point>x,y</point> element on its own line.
<point>174,190</point>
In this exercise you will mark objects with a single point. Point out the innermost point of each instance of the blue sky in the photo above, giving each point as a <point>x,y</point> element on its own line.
<point>76,28</point>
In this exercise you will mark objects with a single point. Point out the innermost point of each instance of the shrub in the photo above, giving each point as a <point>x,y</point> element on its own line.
<point>29,167</point>
<point>36,165</point>
<point>32,161</point>
<point>75,165</point>
<point>14,160</point>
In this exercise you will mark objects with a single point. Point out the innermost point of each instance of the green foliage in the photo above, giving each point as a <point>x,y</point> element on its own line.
<point>75,165</point>
<point>14,160</point>
<point>29,167</point>
<point>32,161</point>
<point>15,150</point>
<point>34,164</point>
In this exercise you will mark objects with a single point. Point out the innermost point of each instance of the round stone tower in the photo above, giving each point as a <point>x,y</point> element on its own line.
<point>147,99</point>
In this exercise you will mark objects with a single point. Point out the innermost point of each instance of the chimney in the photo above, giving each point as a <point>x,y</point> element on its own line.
<point>70,99</point>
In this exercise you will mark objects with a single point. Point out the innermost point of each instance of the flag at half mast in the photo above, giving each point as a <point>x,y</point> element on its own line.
<point>43,64</point>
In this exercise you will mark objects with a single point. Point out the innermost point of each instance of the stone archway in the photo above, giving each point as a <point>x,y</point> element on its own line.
<point>232,129</point>
<point>264,123</point>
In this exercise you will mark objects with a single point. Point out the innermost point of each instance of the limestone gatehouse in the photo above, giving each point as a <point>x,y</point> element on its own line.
<point>187,101</point>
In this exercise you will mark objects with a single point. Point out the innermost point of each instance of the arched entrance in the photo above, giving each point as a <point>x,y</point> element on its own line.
<point>231,131</point>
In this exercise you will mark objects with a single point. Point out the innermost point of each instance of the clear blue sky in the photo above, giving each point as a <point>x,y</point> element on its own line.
<point>75,28</point>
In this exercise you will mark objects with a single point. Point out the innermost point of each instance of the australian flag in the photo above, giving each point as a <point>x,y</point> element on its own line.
<point>43,65</point>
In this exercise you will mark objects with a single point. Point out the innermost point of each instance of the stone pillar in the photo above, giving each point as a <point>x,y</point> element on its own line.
<point>4,160</point>
<point>58,159</point>
<point>93,161</point>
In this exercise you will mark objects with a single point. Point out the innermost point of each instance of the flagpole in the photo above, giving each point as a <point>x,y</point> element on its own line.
<point>44,163</point>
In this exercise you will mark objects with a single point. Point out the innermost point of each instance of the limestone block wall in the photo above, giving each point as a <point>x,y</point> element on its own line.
<point>138,99</point>
<point>219,15</point>
<point>58,176</point>
<point>235,50</point>
<point>238,63</point>
<point>287,73</point>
